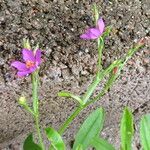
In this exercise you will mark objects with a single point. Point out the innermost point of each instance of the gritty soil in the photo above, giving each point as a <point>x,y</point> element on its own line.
<point>69,63</point>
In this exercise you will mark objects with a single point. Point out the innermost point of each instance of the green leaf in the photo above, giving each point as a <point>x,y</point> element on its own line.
<point>79,147</point>
<point>30,145</point>
<point>145,132</point>
<point>101,144</point>
<point>127,129</point>
<point>67,94</point>
<point>55,139</point>
<point>89,129</point>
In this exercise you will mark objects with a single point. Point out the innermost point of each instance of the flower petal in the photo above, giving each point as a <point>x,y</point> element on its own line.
<point>23,73</point>
<point>19,65</point>
<point>101,25</point>
<point>38,56</point>
<point>32,69</point>
<point>28,55</point>
<point>92,33</point>
<point>85,36</point>
<point>26,72</point>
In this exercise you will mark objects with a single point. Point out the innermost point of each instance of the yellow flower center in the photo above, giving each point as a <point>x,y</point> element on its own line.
<point>29,64</point>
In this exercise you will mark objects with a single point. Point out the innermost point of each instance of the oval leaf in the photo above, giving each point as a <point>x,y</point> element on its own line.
<point>145,132</point>
<point>127,129</point>
<point>101,144</point>
<point>89,129</point>
<point>55,139</point>
<point>30,145</point>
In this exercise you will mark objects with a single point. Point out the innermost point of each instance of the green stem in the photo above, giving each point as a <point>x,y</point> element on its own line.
<point>87,95</point>
<point>79,109</point>
<point>108,85</point>
<point>26,107</point>
<point>100,44</point>
<point>34,78</point>
<point>120,64</point>
<point>39,132</point>
<point>69,120</point>
<point>98,79</point>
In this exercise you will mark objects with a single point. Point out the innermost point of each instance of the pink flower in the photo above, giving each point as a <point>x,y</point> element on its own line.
<point>94,33</point>
<point>30,64</point>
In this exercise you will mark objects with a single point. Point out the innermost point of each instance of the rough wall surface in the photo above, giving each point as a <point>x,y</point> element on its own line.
<point>69,63</point>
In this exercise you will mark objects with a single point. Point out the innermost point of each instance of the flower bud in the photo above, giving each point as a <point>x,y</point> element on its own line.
<point>96,13</point>
<point>115,70</point>
<point>26,44</point>
<point>22,100</point>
